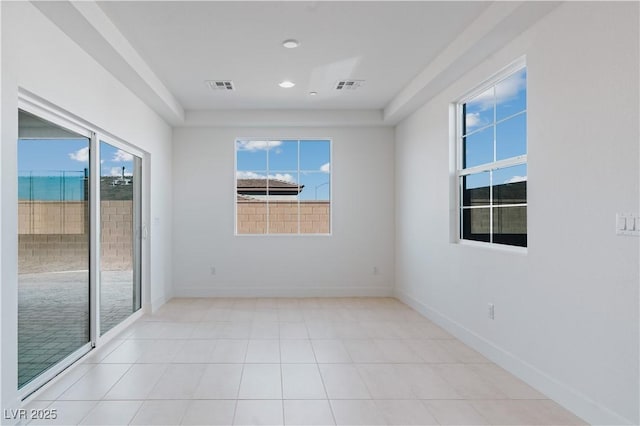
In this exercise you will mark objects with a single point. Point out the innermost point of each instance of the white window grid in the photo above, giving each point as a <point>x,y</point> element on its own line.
<point>297,172</point>
<point>489,167</point>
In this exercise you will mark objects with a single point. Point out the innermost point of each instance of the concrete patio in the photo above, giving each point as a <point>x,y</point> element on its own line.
<point>53,315</point>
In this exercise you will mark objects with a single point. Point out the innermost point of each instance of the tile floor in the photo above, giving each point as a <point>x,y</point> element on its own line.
<point>316,361</point>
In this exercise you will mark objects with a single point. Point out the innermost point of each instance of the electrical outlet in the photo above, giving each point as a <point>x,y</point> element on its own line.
<point>213,270</point>
<point>491,311</point>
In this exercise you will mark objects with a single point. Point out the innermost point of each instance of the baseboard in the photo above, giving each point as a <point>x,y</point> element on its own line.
<point>243,291</point>
<point>156,303</point>
<point>578,403</point>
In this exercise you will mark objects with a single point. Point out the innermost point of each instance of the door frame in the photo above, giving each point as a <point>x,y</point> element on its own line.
<point>50,112</point>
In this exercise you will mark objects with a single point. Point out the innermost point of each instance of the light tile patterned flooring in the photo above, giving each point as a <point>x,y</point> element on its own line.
<point>322,361</point>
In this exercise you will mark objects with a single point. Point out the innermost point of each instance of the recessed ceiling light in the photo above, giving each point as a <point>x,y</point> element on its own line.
<point>287,84</point>
<point>313,93</point>
<point>291,43</point>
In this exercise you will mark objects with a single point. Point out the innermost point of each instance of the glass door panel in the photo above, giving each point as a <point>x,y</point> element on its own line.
<point>120,209</point>
<point>53,245</point>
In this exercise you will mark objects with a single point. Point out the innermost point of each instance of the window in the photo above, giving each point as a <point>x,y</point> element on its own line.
<point>492,161</point>
<point>283,187</point>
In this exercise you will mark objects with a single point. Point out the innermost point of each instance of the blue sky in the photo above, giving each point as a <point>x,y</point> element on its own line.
<point>504,106</point>
<point>113,159</point>
<point>279,160</point>
<point>48,157</point>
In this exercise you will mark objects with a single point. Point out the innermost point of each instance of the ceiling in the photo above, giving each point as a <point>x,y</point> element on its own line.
<point>405,51</point>
<point>384,43</point>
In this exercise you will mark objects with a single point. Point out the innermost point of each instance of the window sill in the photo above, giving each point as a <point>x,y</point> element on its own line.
<point>493,246</point>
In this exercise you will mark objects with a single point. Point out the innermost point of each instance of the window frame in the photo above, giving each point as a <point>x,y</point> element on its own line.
<point>461,171</point>
<point>299,170</point>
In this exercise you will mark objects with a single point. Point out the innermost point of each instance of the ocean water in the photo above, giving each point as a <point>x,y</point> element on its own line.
<point>51,188</point>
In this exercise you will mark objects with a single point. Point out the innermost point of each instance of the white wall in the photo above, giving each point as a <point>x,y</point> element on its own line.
<point>337,265</point>
<point>566,313</point>
<point>38,57</point>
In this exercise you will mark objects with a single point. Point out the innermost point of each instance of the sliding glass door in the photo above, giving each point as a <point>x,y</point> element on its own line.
<point>79,240</point>
<point>53,246</point>
<point>120,209</point>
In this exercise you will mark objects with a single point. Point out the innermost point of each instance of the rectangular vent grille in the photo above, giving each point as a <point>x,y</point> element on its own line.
<point>348,84</point>
<point>220,84</point>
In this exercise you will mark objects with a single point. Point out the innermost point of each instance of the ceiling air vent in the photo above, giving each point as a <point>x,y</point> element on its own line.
<point>348,84</point>
<point>220,84</point>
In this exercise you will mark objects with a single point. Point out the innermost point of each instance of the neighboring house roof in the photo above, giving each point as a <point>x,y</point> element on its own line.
<point>259,187</point>
<point>111,190</point>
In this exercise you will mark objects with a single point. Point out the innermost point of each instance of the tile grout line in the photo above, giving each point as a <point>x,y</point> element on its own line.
<point>137,411</point>
<point>235,409</point>
<point>281,375</point>
<point>324,386</point>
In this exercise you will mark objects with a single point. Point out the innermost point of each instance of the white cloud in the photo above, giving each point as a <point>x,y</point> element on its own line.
<point>506,90</point>
<point>516,179</point>
<point>122,156</point>
<point>472,119</point>
<point>285,177</point>
<point>326,168</point>
<point>484,99</point>
<point>248,175</point>
<point>252,175</point>
<point>117,171</point>
<point>257,145</point>
<point>509,88</point>
<point>81,155</point>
